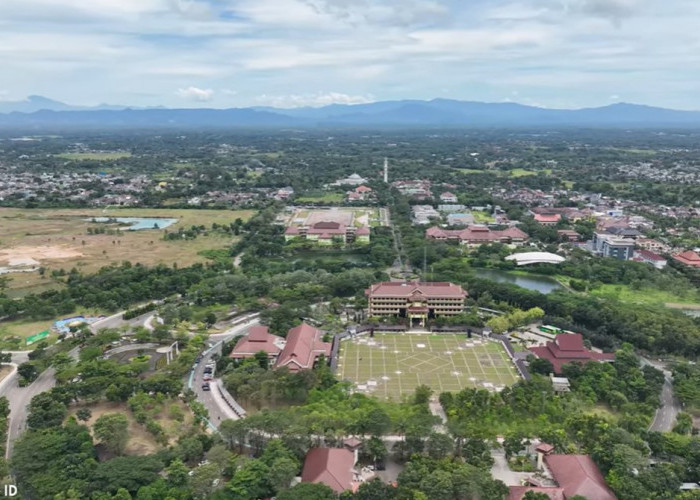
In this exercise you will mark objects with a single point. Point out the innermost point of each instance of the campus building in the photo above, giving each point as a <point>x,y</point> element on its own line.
<point>298,351</point>
<point>417,301</point>
<point>478,235</point>
<point>569,348</point>
<point>575,476</point>
<point>327,232</point>
<point>334,467</point>
<point>616,247</point>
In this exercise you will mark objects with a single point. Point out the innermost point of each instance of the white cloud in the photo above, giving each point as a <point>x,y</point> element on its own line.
<point>196,94</point>
<point>313,100</point>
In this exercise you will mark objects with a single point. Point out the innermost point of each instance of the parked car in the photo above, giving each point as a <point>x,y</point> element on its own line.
<point>197,359</point>
<point>206,386</point>
<point>207,377</point>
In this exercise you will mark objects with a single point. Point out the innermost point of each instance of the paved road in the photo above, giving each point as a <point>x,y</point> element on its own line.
<point>212,400</point>
<point>665,417</point>
<point>20,397</point>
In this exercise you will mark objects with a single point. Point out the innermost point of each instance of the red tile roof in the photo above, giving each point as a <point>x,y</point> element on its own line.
<point>333,467</point>
<point>258,339</point>
<point>689,258</point>
<point>408,288</point>
<point>363,189</point>
<point>579,475</point>
<point>547,217</point>
<point>363,231</point>
<point>568,348</point>
<point>518,492</point>
<point>303,346</point>
<point>648,255</point>
<point>476,234</point>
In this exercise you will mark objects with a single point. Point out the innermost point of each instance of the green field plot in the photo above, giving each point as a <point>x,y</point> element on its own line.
<point>94,156</point>
<point>392,365</point>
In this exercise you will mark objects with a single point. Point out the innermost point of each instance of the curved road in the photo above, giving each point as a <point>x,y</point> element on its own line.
<point>665,417</point>
<point>218,409</point>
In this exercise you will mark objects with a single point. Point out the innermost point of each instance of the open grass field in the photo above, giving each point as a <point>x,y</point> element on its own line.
<point>648,296</point>
<point>322,198</point>
<point>59,239</point>
<point>392,365</point>
<point>94,156</point>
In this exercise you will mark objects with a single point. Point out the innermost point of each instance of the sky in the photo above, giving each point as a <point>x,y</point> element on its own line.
<point>290,53</point>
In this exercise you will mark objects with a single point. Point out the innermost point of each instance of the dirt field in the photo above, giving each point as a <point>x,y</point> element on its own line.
<point>59,239</point>
<point>140,441</point>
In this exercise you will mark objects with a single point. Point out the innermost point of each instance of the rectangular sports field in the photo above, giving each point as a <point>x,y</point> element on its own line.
<point>349,216</point>
<point>392,365</point>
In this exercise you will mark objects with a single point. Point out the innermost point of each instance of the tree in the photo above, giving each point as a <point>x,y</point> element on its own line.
<point>84,414</point>
<point>684,423</point>
<point>421,395</point>
<point>542,366</point>
<point>535,495</point>
<point>177,473</point>
<point>308,491</point>
<point>282,472</point>
<point>439,445</point>
<point>112,429</point>
<point>375,490</point>
<point>262,360</point>
<point>203,479</point>
<point>28,371</point>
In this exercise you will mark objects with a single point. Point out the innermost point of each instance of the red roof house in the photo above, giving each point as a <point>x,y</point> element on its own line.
<point>547,219</point>
<point>259,339</point>
<point>689,258</point>
<point>568,348</point>
<point>334,467</point>
<point>579,475</point>
<point>304,345</point>
<point>363,189</point>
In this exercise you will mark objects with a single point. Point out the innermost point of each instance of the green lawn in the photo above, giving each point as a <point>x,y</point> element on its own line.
<point>322,198</point>
<point>392,365</point>
<point>650,296</point>
<point>94,156</point>
<point>482,218</point>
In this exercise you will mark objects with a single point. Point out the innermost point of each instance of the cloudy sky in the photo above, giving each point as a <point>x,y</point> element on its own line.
<point>230,53</point>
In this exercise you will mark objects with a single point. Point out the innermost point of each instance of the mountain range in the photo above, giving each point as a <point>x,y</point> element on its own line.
<point>40,113</point>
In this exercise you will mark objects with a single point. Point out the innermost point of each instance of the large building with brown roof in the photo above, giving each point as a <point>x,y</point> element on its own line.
<point>575,475</point>
<point>299,351</point>
<point>326,232</point>
<point>579,475</point>
<point>259,339</point>
<point>568,348</point>
<point>304,345</point>
<point>334,467</point>
<point>415,300</point>
<point>478,235</point>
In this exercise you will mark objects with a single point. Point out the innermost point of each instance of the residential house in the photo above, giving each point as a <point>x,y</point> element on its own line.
<point>688,258</point>
<point>448,197</point>
<point>650,257</point>
<point>334,467</point>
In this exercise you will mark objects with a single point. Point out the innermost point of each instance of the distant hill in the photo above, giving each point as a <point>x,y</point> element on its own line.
<point>406,113</point>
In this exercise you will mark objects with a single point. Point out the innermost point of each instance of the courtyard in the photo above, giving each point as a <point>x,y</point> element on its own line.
<point>391,365</point>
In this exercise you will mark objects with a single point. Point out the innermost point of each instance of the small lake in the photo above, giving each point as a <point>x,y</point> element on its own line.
<point>139,223</point>
<point>539,283</point>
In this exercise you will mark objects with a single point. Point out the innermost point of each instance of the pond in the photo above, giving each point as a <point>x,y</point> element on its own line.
<point>539,283</point>
<point>139,223</point>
